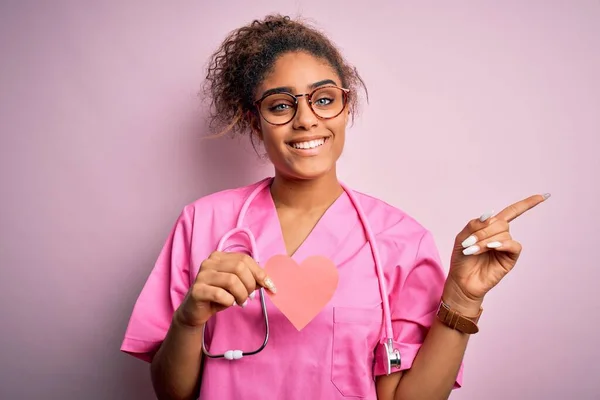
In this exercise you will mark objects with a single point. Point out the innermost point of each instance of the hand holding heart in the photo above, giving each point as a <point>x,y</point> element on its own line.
<point>227,279</point>
<point>484,253</point>
<point>224,280</point>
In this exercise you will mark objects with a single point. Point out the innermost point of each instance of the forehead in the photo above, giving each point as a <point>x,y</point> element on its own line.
<point>298,71</point>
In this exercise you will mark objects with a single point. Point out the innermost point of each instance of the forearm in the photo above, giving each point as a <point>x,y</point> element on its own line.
<point>176,366</point>
<point>435,368</point>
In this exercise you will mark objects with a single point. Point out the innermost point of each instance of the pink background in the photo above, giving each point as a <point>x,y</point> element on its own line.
<point>473,105</point>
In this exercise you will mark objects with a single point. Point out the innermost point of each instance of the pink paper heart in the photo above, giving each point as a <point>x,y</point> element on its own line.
<point>302,290</point>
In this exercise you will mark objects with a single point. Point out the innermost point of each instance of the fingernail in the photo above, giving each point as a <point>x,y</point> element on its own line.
<point>547,196</point>
<point>470,250</point>
<point>252,295</point>
<point>244,304</point>
<point>470,241</point>
<point>494,245</point>
<point>486,216</point>
<point>269,284</point>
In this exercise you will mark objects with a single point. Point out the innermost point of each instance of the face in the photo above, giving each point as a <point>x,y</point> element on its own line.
<point>307,147</point>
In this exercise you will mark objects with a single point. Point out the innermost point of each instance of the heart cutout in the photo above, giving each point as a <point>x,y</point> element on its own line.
<point>302,290</point>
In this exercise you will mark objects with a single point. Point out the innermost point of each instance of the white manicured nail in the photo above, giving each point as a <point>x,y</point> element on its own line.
<point>547,196</point>
<point>494,245</point>
<point>470,241</point>
<point>244,304</point>
<point>252,295</point>
<point>470,250</point>
<point>486,216</point>
<point>270,285</point>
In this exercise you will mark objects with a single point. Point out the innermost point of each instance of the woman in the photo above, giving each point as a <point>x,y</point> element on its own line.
<point>286,85</point>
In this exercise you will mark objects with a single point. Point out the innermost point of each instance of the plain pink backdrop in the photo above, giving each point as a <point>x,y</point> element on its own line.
<point>473,105</point>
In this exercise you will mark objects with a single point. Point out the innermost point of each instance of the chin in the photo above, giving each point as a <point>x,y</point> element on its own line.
<point>308,173</point>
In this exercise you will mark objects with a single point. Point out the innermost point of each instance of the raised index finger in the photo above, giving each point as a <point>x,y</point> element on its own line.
<point>514,210</point>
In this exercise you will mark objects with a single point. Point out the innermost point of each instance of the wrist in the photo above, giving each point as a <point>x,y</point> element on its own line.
<point>181,323</point>
<point>459,302</point>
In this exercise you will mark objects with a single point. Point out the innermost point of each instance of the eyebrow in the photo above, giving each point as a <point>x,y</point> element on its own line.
<point>288,89</point>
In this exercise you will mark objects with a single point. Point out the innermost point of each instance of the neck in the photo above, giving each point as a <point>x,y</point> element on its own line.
<point>306,194</point>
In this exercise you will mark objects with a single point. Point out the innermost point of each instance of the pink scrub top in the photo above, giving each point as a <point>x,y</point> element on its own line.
<point>333,356</point>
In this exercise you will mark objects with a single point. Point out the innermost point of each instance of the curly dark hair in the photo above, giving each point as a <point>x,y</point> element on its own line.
<point>247,55</point>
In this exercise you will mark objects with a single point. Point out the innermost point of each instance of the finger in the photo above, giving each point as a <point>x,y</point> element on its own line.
<point>473,226</point>
<point>229,282</point>
<point>238,264</point>
<point>493,227</point>
<point>259,274</point>
<point>213,294</point>
<point>510,246</point>
<point>489,243</point>
<point>231,262</point>
<point>514,210</point>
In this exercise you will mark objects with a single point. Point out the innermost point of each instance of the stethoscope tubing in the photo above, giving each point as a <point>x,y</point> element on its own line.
<point>254,254</point>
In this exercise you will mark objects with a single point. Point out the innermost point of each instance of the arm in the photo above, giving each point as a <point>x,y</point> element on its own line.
<point>435,368</point>
<point>484,252</point>
<point>225,279</point>
<point>175,368</point>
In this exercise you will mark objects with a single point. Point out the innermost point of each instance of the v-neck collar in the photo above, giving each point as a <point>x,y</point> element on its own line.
<point>325,238</point>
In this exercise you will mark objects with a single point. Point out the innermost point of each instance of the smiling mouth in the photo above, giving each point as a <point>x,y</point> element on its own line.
<point>309,144</point>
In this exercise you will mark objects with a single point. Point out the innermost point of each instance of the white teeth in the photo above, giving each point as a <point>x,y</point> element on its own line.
<point>308,145</point>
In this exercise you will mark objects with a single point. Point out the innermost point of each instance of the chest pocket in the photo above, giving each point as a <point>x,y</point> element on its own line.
<point>355,335</point>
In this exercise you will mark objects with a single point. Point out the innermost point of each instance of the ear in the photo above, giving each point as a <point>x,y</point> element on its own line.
<point>255,126</point>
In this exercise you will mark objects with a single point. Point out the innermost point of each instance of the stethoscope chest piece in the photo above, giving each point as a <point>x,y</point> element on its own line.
<point>394,360</point>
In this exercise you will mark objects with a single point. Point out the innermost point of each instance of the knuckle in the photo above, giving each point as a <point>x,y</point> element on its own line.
<point>204,264</point>
<point>208,264</point>
<point>232,280</point>
<point>220,296</point>
<point>518,247</point>
<point>252,287</point>
<point>202,275</point>
<point>240,266</point>
<point>502,224</point>
<point>261,274</point>
<point>247,260</point>
<point>198,291</point>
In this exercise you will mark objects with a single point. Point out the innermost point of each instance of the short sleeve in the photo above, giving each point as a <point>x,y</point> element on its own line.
<point>162,293</point>
<point>414,295</point>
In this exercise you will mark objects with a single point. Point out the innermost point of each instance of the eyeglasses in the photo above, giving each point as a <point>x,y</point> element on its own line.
<point>280,108</point>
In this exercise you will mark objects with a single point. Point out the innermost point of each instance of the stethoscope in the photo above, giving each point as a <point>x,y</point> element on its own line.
<point>392,354</point>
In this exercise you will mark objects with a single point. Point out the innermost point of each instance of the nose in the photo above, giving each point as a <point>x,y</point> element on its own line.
<point>305,117</point>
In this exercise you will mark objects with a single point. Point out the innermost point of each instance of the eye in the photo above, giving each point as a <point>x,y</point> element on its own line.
<point>279,107</point>
<point>323,101</point>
